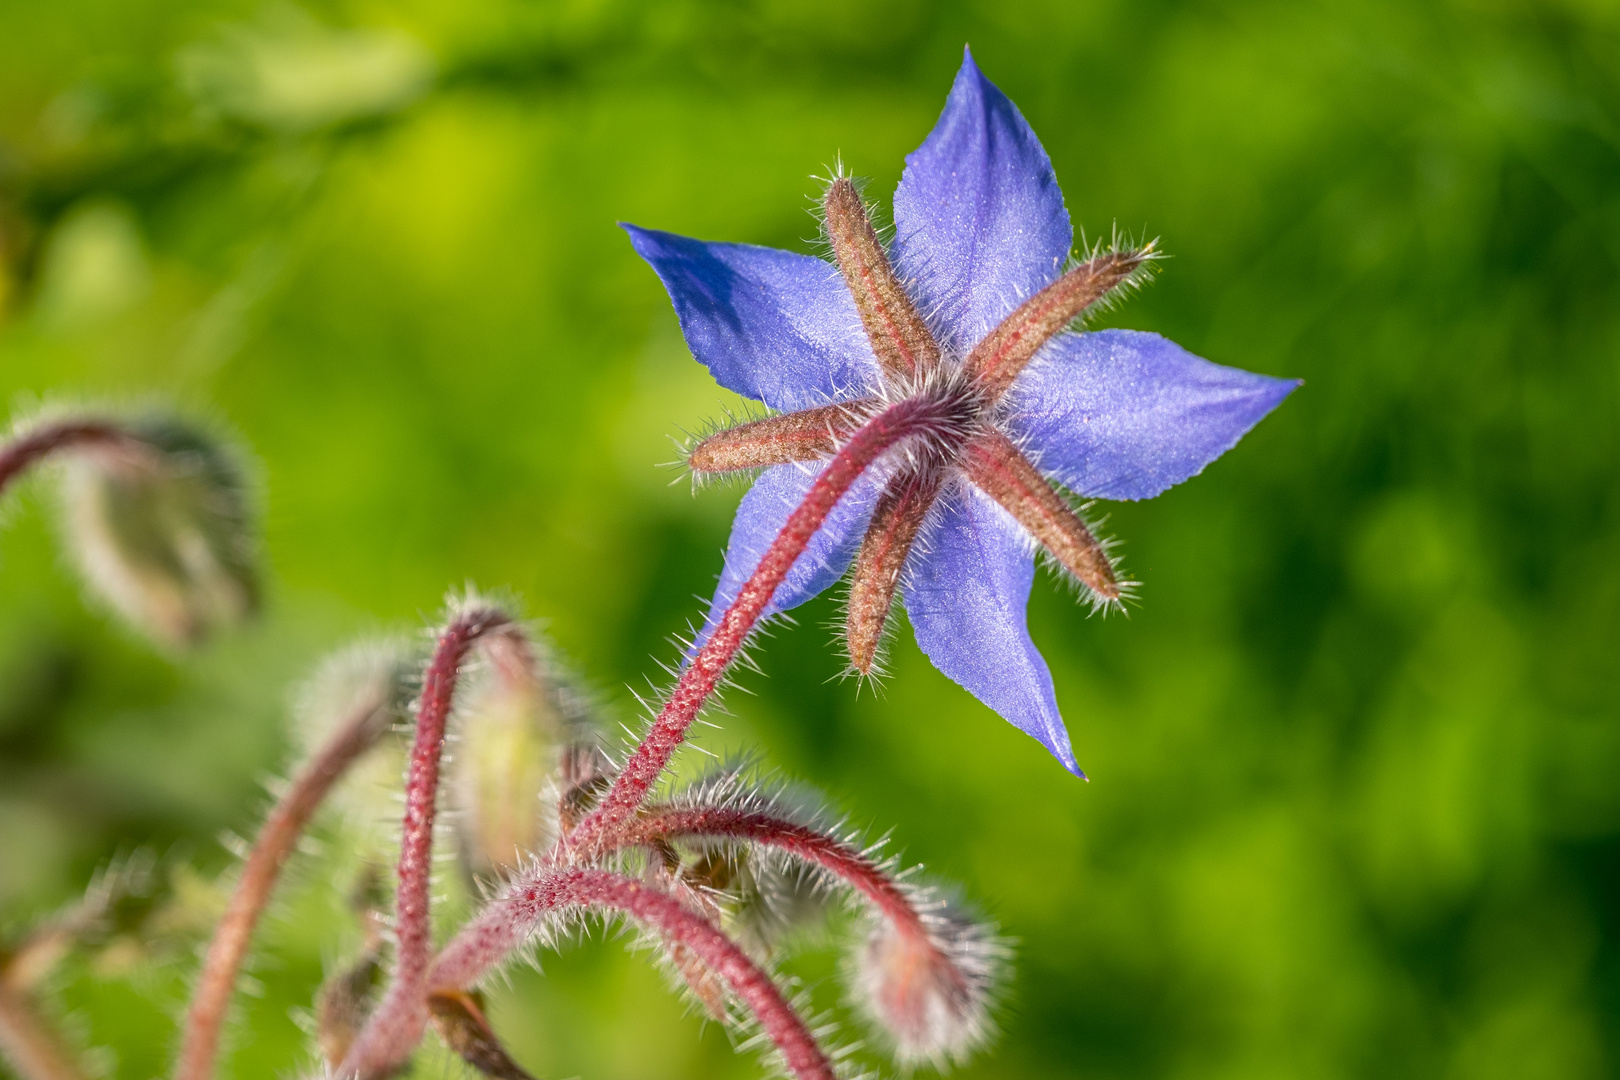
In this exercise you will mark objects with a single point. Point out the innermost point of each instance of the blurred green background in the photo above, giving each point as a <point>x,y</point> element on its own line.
<point>1355,807</point>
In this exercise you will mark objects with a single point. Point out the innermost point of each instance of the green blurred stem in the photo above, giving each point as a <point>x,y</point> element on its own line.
<point>28,1044</point>
<point>211,1000</point>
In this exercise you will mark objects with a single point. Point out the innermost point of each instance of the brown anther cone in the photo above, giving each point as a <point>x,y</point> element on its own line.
<point>459,1018</point>
<point>895,521</point>
<point>1001,471</point>
<point>777,440</point>
<point>997,360</point>
<point>903,343</point>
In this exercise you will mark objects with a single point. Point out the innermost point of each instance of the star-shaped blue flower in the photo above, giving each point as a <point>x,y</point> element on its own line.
<point>969,308</point>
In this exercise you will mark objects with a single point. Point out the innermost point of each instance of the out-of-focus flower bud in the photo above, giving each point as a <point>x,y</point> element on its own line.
<point>774,899</point>
<point>371,678</point>
<point>511,733</point>
<point>582,779</point>
<point>763,897</point>
<point>161,527</point>
<point>929,991</point>
<point>343,1004</point>
<point>346,999</point>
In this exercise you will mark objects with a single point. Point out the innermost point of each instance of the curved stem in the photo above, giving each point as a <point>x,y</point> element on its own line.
<point>801,841</point>
<point>396,1027</point>
<point>509,920</point>
<point>44,440</point>
<point>28,1045</point>
<point>896,424</point>
<point>211,998</point>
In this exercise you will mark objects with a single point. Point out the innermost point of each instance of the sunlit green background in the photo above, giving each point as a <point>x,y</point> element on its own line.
<point>1355,807</point>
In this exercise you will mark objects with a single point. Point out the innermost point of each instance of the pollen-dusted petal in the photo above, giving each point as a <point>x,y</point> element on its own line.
<point>1122,414</point>
<point>997,360</point>
<point>776,440</point>
<point>1002,472</point>
<point>772,325</point>
<point>965,594</point>
<point>900,338</point>
<point>979,220</point>
<point>895,521</point>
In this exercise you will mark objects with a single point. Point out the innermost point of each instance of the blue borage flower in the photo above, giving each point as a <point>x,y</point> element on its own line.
<point>971,307</point>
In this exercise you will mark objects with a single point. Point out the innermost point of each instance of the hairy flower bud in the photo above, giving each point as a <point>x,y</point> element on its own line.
<point>929,990</point>
<point>369,677</point>
<point>510,735</point>
<point>161,527</point>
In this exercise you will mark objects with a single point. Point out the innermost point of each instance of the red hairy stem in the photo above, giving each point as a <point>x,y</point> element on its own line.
<point>892,426</point>
<point>801,841</point>
<point>42,441</point>
<point>396,1027</point>
<point>27,1045</point>
<point>212,996</point>
<point>512,917</point>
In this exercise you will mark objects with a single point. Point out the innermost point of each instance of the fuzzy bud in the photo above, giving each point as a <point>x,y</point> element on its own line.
<point>369,678</point>
<point>161,527</point>
<point>929,990</point>
<point>509,738</point>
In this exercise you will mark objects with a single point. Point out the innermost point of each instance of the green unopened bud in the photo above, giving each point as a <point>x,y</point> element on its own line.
<point>510,737</point>
<point>162,530</point>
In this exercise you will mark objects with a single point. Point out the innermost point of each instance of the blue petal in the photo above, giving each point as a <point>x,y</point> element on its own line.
<point>979,220</point>
<point>966,590</point>
<point>1122,414</point>
<point>772,325</point>
<point>764,510</point>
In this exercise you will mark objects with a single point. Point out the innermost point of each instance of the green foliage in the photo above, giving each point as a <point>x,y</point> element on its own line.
<point>1355,807</point>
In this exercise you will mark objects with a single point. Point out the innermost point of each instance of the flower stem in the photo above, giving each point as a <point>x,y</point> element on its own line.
<point>510,919</point>
<point>800,841</point>
<point>44,440</point>
<point>27,1045</point>
<point>396,1026</point>
<point>211,999</point>
<point>896,424</point>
